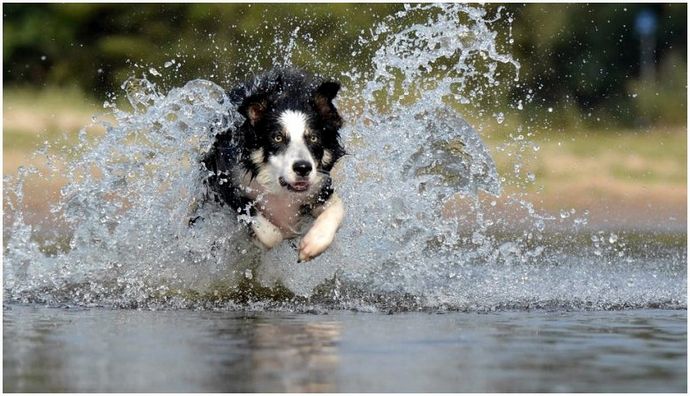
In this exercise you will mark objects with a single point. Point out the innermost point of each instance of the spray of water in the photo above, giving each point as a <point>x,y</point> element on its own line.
<point>130,194</point>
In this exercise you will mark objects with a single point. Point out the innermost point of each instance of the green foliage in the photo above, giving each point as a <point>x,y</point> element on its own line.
<point>580,60</point>
<point>99,45</point>
<point>662,100</point>
<point>583,56</point>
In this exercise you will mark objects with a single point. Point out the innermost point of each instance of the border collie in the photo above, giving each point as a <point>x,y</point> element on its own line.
<point>276,166</point>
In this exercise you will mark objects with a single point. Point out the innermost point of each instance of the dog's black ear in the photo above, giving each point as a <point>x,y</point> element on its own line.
<point>323,103</point>
<point>328,90</point>
<point>254,108</point>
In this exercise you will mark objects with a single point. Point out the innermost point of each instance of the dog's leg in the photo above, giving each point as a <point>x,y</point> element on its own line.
<point>265,232</point>
<point>320,236</point>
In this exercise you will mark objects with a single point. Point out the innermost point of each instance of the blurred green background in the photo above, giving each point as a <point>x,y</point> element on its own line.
<point>607,103</point>
<point>578,57</point>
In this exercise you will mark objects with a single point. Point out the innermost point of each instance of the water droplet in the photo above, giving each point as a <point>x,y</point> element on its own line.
<point>477,238</point>
<point>540,225</point>
<point>500,118</point>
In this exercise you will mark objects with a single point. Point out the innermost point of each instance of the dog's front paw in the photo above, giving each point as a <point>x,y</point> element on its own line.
<point>266,233</point>
<point>314,243</point>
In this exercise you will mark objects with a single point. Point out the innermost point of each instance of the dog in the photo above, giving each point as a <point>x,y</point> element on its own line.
<point>274,169</point>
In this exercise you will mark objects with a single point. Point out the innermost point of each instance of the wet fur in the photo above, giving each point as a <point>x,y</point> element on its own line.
<point>244,163</point>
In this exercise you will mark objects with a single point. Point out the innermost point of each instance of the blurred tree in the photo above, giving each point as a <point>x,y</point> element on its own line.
<point>97,45</point>
<point>584,56</point>
<point>582,59</point>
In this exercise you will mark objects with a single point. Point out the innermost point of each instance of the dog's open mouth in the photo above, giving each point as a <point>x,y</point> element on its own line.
<point>298,186</point>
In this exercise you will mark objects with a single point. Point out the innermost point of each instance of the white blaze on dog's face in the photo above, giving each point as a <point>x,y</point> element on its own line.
<point>293,165</point>
<point>293,137</point>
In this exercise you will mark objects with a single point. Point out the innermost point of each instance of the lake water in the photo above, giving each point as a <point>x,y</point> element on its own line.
<point>103,350</point>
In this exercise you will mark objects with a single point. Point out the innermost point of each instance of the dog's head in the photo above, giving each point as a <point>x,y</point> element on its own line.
<point>291,131</point>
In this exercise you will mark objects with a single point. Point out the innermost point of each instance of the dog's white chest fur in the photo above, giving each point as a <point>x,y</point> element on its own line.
<point>283,211</point>
<point>281,208</point>
<point>280,217</point>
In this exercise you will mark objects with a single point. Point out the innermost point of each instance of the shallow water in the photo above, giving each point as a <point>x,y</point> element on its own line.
<point>102,350</point>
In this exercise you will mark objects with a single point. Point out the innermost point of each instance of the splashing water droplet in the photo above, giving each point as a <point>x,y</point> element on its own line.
<point>613,238</point>
<point>500,117</point>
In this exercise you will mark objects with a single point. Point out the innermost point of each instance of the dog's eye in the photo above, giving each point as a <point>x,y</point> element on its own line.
<point>313,138</point>
<point>278,138</point>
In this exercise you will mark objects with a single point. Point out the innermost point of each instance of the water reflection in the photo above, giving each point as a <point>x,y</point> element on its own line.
<point>99,350</point>
<point>30,356</point>
<point>57,350</point>
<point>272,355</point>
<point>307,350</point>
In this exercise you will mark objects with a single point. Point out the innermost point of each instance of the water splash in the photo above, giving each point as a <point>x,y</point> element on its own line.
<point>404,244</point>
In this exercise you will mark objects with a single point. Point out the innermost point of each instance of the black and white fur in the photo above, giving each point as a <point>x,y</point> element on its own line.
<point>276,166</point>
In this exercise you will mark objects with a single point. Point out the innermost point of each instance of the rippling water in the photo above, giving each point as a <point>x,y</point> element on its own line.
<point>101,350</point>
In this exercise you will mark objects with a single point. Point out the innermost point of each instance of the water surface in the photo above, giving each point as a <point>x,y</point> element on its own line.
<point>103,350</point>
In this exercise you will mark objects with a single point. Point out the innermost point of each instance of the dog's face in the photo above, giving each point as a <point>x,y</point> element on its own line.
<point>292,136</point>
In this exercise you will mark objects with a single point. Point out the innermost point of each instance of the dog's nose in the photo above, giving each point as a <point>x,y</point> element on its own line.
<point>301,168</point>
